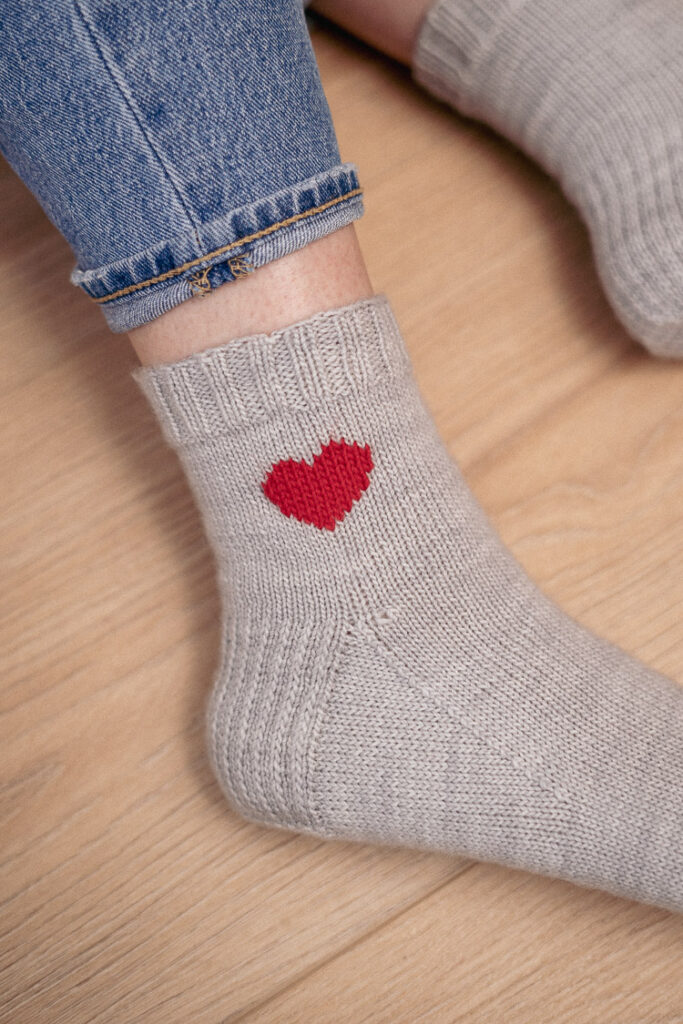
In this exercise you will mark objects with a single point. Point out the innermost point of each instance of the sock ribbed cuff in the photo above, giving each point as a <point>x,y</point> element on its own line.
<point>249,379</point>
<point>452,40</point>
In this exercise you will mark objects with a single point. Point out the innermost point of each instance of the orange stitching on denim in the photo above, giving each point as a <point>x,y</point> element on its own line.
<point>199,282</point>
<point>226,248</point>
<point>241,266</point>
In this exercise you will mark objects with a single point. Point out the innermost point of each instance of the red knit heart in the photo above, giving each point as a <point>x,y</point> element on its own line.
<point>323,493</point>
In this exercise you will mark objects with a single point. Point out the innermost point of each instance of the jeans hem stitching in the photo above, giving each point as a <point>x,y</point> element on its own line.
<point>227,248</point>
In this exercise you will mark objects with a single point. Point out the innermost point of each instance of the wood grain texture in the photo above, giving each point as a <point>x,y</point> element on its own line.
<point>129,891</point>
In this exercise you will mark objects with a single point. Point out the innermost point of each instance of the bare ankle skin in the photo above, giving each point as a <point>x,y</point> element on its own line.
<point>385,24</point>
<point>326,274</point>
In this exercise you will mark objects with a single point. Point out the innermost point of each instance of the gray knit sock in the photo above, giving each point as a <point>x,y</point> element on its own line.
<point>592,89</point>
<point>388,671</point>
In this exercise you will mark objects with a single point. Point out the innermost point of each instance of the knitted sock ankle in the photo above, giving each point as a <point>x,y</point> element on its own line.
<point>593,91</point>
<point>388,672</point>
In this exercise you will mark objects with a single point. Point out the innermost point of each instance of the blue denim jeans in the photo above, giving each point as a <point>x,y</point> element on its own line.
<point>176,144</point>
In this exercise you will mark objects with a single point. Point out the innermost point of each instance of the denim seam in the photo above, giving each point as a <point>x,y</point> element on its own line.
<point>227,248</point>
<point>135,114</point>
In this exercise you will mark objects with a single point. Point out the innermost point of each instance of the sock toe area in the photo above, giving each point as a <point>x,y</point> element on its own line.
<point>664,340</point>
<point>659,330</point>
<point>644,284</point>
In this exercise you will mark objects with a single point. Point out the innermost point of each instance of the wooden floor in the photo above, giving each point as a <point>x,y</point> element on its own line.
<point>130,892</point>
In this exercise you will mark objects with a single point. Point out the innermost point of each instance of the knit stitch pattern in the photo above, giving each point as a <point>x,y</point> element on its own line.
<point>594,92</point>
<point>320,494</point>
<point>398,679</point>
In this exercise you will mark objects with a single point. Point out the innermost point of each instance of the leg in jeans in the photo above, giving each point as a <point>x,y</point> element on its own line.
<point>177,146</point>
<point>590,90</point>
<point>388,673</point>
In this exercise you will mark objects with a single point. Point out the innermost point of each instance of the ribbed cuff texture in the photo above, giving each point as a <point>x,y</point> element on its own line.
<point>451,41</point>
<point>225,388</point>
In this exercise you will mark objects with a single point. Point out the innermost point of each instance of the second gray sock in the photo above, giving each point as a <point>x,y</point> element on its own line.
<point>594,92</point>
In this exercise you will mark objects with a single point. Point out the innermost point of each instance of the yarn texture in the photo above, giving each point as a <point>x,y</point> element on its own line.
<point>390,674</point>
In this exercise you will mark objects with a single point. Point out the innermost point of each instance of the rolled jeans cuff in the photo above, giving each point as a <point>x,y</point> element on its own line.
<point>133,291</point>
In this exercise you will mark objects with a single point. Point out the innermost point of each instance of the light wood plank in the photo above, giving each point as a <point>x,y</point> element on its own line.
<point>500,946</point>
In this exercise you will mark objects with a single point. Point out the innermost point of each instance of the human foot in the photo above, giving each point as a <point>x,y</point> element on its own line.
<point>388,672</point>
<point>593,92</point>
